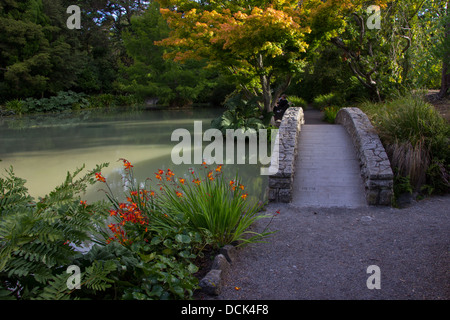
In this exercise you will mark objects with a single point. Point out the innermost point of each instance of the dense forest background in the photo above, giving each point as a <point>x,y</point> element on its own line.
<point>114,52</point>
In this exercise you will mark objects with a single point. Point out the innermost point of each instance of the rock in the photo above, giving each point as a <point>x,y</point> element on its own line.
<point>229,252</point>
<point>220,263</point>
<point>211,283</point>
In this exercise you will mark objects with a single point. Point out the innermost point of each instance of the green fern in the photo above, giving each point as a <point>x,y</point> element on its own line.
<point>34,237</point>
<point>96,276</point>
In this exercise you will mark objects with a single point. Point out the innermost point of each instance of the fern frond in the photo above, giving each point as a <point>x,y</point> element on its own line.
<point>96,276</point>
<point>56,289</point>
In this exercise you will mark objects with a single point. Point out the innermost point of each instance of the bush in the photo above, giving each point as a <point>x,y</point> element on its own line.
<point>209,204</point>
<point>38,240</point>
<point>330,114</point>
<point>416,138</point>
<point>327,100</point>
<point>16,106</point>
<point>297,101</point>
<point>61,102</point>
<point>144,248</point>
<point>242,114</point>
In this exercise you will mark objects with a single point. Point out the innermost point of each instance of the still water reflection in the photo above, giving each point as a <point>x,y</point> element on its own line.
<point>42,149</point>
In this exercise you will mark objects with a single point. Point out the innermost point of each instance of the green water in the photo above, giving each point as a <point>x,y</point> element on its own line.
<point>42,149</point>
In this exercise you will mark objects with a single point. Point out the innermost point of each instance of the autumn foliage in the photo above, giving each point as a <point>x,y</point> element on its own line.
<point>262,43</point>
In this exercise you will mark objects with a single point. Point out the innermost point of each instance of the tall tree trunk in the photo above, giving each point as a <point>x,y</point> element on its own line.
<point>265,85</point>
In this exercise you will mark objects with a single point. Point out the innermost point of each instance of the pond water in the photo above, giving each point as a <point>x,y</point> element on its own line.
<point>42,149</point>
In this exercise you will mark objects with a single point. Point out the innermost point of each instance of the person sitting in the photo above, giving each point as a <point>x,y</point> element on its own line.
<point>281,107</point>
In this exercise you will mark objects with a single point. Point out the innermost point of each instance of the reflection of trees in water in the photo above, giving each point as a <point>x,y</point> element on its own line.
<point>96,128</point>
<point>103,128</point>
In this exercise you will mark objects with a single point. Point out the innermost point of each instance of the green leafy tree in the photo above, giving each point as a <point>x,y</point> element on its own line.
<point>25,52</point>
<point>150,75</point>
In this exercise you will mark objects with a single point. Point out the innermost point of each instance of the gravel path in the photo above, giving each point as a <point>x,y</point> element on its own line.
<point>324,253</point>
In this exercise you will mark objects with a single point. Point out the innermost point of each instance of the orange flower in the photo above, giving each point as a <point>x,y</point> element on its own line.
<point>219,168</point>
<point>152,193</point>
<point>161,171</point>
<point>158,177</point>
<point>241,187</point>
<point>210,176</point>
<point>197,181</point>
<point>83,203</point>
<point>99,177</point>
<point>181,181</point>
<point>179,194</point>
<point>231,182</point>
<point>133,193</point>
<point>170,173</point>
<point>244,196</point>
<point>112,212</point>
<point>127,164</point>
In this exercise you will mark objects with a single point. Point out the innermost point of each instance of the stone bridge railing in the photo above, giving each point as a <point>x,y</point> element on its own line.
<point>375,166</point>
<point>280,183</point>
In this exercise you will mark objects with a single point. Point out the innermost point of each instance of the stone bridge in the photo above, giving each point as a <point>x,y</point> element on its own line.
<point>330,165</point>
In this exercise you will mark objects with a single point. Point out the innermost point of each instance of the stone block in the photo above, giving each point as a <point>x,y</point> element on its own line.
<point>220,263</point>
<point>229,252</point>
<point>212,282</point>
<point>285,195</point>
<point>386,197</point>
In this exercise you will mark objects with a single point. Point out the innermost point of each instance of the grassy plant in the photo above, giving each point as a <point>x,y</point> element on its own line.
<point>326,100</point>
<point>415,136</point>
<point>17,106</point>
<point>216,205</point>
<point>297,101</point>
<point>330,114</point>
<point>169,223</point>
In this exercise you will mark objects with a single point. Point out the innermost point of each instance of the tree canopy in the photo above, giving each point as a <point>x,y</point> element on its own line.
<point>263,43</point>
<point>179,50</point>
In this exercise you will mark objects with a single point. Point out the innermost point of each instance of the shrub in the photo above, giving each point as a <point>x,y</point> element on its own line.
<point>242,114</point>
<point>61,102</point>
<point>215,207</point>
<point>330,114</point>
<point>416,137</point>
<point>297,101</point>
<point>145,247</point>
<point>17,106</point>
<point>326,100</point>
<point>167,225</point>
<point>38,239</point>
<point>214,204</point>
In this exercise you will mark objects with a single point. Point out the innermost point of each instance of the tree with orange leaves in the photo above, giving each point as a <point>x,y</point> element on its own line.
<point>261,43</point>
